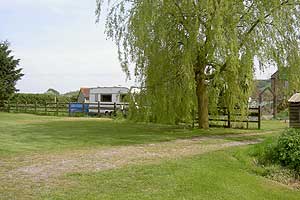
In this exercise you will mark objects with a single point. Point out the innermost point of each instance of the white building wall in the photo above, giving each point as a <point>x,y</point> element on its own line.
<point>114,91</point>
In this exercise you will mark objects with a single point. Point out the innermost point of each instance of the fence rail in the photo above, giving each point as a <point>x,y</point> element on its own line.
<point>67,108</point>
<point>226,119</point>
<point>222,118</point>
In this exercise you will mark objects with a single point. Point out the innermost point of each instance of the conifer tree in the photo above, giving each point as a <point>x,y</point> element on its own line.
<point>10,73</point>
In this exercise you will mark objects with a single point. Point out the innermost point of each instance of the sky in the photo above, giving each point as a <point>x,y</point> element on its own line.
<point>61,46</point>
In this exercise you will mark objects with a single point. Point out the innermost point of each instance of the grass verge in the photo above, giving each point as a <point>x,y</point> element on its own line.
<point>219,175</point>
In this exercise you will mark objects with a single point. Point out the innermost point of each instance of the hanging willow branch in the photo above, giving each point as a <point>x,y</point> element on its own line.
<point>192,52</point>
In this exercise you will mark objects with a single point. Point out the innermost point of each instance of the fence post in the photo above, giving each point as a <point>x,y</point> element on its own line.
<point>228,120</point>
<point>45,107</point>
<point>17,106</point>
<point>56,108</point>
<point>259,117</point>
<point>35,107</point>
<point>115,108</point>
<point>69,109</point>
<point>25,107</point>
<point>99,109</point>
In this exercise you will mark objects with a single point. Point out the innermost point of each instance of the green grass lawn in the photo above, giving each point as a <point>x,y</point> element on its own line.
<point>225,174</point>
<point>23,133</point>
<point>218,175</point>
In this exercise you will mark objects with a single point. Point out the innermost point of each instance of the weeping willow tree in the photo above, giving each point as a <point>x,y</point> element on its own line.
<point>200,53</point>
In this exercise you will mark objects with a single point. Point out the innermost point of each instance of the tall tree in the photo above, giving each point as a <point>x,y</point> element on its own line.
<point>9,72</point>
<point>201,52</point>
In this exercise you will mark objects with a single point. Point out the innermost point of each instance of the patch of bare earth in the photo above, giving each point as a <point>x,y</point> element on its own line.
<point>45,169</point>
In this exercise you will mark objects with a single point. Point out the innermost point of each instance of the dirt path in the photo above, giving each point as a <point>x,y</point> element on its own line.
<point>46,168</point>
<point>22,177</point>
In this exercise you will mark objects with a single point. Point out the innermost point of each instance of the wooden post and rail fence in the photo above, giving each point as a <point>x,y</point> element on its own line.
<point>64,108</point>
<point>223,117</point>
<point>229,120</point>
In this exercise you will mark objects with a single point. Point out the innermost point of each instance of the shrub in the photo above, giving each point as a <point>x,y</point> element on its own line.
<point>284,151</point>
<point>288,149</point>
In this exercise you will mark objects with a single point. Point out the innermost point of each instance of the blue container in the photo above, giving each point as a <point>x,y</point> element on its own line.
<point>77,108</point>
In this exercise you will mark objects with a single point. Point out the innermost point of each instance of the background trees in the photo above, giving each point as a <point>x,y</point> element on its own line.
<point>9,72</point>
<point>201,54</point>
<point>52,92</point>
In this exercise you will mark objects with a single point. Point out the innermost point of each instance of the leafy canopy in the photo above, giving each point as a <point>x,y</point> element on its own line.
<point>9,72</point>
<point>173,43</point>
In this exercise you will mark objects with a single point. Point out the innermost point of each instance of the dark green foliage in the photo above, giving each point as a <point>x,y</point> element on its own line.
<point>288,148</point>
<point>284,151</point>
<point>41,98</point>
<point>9,72</point>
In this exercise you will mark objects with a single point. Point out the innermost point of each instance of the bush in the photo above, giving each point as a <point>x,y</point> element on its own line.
<point>288,149</point>
<point>284,151</point>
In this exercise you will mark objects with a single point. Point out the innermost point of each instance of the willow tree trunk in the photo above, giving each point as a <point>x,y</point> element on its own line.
<point>202,98</point>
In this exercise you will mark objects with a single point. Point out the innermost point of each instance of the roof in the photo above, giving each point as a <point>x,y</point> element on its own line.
<point>280,74</point>
<point>275,74</point>
<point>85,92</point>
<point>295,98</point>
<point>119,87</point>
<point>109,90</point>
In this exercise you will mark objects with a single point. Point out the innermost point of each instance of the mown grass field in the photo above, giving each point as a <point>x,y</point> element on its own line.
<point>218,175</point>
<point>25,133</point>
<point>33,145</point>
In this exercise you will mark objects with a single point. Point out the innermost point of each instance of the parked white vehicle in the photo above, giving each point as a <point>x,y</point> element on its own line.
<point>108,97</point>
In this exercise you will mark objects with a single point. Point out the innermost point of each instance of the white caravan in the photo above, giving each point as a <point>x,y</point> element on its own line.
<point>107,97</point>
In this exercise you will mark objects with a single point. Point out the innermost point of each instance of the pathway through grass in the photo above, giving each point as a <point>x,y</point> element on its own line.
<point>47,169</point>
<point>37,154</point>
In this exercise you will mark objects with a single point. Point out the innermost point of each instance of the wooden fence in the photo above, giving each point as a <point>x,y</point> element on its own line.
<point>226,119</point>
<point>222,118</point>
<point>65,108</point>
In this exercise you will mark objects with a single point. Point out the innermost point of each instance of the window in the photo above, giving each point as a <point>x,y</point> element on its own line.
<point>106,98</point>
